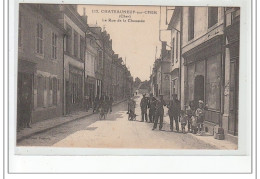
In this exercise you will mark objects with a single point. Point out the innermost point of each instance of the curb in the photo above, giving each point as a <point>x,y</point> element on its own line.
<point>54,126</point>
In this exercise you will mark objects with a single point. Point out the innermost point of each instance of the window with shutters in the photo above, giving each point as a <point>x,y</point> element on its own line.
<point>39,39</point>
<point>68,39</point>
<point>191,23</point>
<point>82,47</point>
<point>76,40</point>
<point>54,46</point>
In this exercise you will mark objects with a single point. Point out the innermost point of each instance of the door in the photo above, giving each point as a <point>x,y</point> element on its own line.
<point>233,96</point>
<point>24,88</point>
<point>199,88</point>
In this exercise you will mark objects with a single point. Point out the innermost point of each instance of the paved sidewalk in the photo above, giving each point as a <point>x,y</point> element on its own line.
<point>48,124</point>
<point>207,138</point>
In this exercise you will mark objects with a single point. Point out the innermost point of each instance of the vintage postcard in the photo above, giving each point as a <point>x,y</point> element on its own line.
<point>128,77</point>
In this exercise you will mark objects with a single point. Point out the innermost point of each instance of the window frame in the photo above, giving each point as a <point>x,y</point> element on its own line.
<point>54,45</point>
<point>191,23</point>
<point>211,16</point>
<point>173,50</point>
<point>69,39</point>
<point>75,44</point>
<point>39,39</point>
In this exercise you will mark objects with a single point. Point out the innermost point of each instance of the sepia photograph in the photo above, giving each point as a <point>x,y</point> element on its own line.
<point>128,77</point>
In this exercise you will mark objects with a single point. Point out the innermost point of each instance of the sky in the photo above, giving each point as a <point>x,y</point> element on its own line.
<point>134,41</point>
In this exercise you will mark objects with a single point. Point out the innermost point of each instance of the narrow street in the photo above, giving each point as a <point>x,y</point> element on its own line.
<point>115,132</point>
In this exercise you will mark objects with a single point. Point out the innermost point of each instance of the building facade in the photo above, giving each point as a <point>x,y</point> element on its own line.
<point>40,56</point>
<point>231,84</point>
<point>74,57</point>
<point>175,28</point>
<point>108,59</point>
<point>91,65</point>
<point>206,59</point>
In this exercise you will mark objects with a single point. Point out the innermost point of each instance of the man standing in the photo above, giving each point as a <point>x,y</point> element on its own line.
<point>144,105</point>
<point>151,106</point>
<point>111,100</point>
<point>159,112</point>
<point>174,112</point>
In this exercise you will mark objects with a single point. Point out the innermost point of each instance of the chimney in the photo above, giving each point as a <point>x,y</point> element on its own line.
<point>84,16</point>
<point>163,50</point>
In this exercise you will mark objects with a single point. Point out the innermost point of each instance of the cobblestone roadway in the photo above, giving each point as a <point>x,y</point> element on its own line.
<point>115,131</point>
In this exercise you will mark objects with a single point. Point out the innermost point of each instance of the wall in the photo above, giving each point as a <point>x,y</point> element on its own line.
<point>46,66</point>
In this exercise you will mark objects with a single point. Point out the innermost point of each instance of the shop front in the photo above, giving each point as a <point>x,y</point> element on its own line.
<point>90,86</point>
<point>74,90</point>
<point>26,71</point>
<point>203,78</point>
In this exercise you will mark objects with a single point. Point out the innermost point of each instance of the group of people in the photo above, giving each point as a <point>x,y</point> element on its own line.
<point>193,115</point>
<point>104,102</point>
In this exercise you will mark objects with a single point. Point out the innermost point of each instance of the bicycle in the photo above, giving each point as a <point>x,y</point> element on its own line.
<point>102,114</point>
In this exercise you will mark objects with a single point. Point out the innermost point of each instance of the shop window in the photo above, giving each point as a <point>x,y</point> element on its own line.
<point>213,83</point>
<point>191,23</point>
<point>55,88</point>
<point>212,16</point>
<point>40,91</point>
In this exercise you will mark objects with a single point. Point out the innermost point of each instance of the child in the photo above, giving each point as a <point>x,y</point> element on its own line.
<point>190,111</point>
<point>200,116</point>
<point>183,119</point>
<point>193,124</point>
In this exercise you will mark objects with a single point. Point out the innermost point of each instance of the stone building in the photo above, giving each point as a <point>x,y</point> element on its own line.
<point>231,84</point>
<point>108,58</point>
<point>175,27</point>
<point>208,52</point>
<point>40,59</point>
<point>161,74</point>
<point>74,56</point>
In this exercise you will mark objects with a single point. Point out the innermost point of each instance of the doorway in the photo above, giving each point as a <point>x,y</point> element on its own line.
<point>233,97</point>
<point>198,89</point>
<point>24,88</point>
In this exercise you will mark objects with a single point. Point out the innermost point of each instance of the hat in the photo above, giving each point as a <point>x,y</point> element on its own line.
<point>201,102</point>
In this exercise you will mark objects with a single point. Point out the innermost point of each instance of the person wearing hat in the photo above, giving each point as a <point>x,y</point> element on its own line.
<point>174,112</point>
<point>159,112</point>
<point>151,106</point>
<point>200,114</point>
<point>144,105</point>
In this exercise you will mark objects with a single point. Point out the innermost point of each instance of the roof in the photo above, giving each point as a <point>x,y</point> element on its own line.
<point>175,14</point>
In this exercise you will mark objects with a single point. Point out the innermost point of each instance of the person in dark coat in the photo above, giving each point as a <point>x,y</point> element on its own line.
<point>159,112</point>
<point>144,105</point>
<point>96,104</point>
<point>151,106</point>
<point>174,112</point>
<point>26,110</point>
<point>110,102</point>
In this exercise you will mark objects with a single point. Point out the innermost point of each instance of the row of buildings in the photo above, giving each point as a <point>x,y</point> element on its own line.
<point>62,59</point>
<point>202,63</point>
